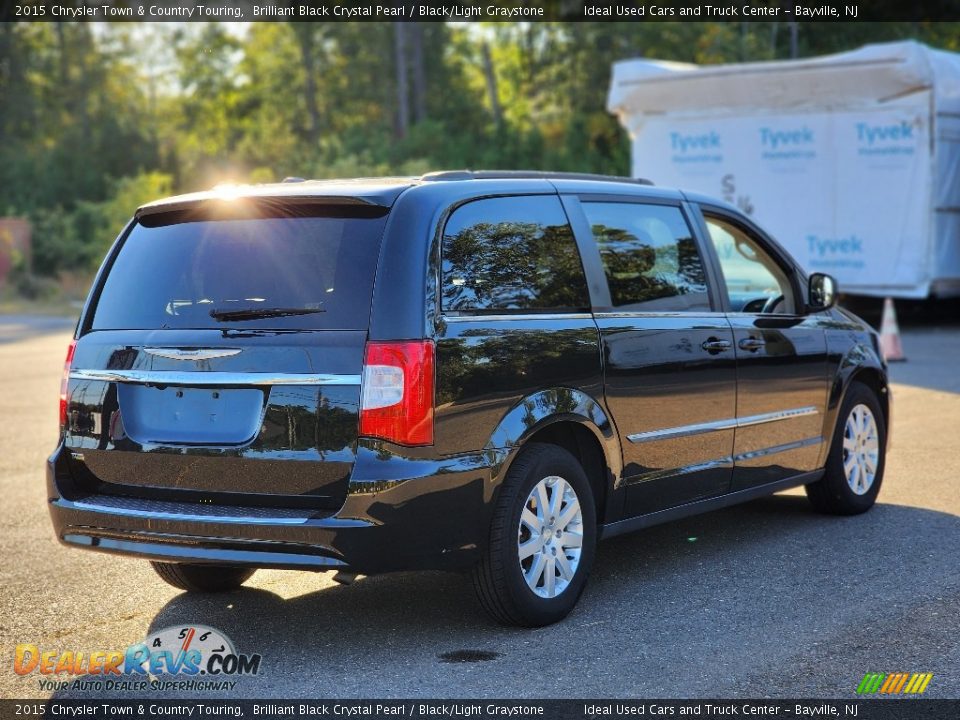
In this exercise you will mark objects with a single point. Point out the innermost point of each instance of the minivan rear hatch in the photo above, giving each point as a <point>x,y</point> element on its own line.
<point>221,356</point>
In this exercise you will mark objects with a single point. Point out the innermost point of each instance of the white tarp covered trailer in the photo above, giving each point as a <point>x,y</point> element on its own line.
<point>852,160</point>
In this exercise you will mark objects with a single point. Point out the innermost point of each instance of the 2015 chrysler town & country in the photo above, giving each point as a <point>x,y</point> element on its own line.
<point>477,370</point>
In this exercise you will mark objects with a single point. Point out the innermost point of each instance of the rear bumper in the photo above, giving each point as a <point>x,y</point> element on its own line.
<point>400,513</point>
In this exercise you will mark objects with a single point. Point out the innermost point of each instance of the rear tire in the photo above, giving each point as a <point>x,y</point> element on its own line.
<point>203,578</point>
<point>540,551</point>
<point>854,468</point>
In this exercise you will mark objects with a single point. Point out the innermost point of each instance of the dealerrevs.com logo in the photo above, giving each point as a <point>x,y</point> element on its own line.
<point>187,652</point>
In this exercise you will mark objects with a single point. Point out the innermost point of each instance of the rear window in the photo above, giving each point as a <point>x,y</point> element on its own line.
<point>178,272</point>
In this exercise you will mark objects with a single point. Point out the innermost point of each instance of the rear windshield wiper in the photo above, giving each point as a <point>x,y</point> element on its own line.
<point>257,313</point>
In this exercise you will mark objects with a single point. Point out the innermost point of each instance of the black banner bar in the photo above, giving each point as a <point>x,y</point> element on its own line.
<point>583,709</point>
<point>479,10</point>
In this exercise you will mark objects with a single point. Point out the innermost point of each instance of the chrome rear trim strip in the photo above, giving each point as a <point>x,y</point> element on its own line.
<point>178,512</point>
<point>726,424</point>
<point>179,377</point>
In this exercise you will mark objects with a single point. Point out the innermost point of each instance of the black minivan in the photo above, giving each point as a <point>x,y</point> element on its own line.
<point>487,371</point>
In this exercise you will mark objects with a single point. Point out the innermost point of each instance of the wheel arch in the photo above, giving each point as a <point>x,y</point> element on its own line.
<point>861,364</point>
<point>573,420</point>
<point>876,380</point>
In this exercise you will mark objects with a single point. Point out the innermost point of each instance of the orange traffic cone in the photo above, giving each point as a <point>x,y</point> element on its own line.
<point>890,334</point>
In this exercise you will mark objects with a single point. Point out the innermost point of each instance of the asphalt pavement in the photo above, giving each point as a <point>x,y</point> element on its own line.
<point>763,600</point>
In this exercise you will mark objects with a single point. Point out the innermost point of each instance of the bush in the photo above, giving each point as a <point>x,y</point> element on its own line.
<point>33,287</point>
<point>56,243</point>
<point>78,238</point>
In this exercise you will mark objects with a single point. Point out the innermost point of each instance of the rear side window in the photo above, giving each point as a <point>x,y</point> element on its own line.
<point>649,256</point>
<point>511,254</point>
<point>281,272</point>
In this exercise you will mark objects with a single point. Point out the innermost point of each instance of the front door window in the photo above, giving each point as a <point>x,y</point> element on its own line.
<point>755,283</point>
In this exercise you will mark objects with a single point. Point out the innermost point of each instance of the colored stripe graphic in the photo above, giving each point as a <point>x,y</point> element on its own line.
<point>870,683</point>
<point>890,682</point>
<point>901,681</point>
<point>896,687</point>
<point>894,683</point>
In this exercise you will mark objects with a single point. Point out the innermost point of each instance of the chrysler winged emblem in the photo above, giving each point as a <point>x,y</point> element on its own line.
<point>191,353</point>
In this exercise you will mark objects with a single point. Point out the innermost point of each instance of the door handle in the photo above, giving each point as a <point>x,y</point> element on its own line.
<point>751,343</point>
<point>714,345</point>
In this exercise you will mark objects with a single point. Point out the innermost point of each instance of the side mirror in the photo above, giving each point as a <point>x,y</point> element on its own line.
<point>821,292</point>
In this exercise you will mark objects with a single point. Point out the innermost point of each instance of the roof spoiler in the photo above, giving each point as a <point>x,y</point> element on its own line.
<point>210,200</point>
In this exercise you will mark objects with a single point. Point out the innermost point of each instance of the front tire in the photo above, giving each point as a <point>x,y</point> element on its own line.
<point>854,469</point>
<point>203,578</point>
<point>542,540</point>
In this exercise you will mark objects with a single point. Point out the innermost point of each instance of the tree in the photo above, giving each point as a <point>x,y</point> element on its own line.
<point>84,108</point>
<point>403,94</point>
<point>419,73</point>
<point>307,41</point>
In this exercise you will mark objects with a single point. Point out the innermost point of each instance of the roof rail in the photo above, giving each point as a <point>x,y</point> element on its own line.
<point>526,175</point>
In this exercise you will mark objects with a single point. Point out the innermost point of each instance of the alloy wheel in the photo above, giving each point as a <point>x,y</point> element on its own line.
<point>861,449</point>
<point>550,537</point>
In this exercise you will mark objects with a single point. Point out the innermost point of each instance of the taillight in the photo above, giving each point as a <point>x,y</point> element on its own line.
<point>396,399</point>
<point>65,384</point>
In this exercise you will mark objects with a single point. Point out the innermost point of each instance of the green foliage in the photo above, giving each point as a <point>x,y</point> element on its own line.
<point>109,217</point>
<point>97,120</point>
<point>56,242</point>
<point>78,238</point>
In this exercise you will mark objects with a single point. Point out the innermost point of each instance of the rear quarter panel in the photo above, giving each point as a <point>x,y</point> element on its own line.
<point>488,367</point>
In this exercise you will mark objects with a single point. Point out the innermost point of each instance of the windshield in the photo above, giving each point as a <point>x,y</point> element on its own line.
<point>299,272</point>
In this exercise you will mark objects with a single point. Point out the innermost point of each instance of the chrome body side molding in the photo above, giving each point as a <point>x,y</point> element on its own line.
<point>786,447</point>
<point>725,424</point>
<point>727,461</point>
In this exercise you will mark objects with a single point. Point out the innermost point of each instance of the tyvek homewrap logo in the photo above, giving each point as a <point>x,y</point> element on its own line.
<point>897,138</point>
<point>834,252</point>
<point>704,147</point>
<point>894,683</point>
<point>787,143</point>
